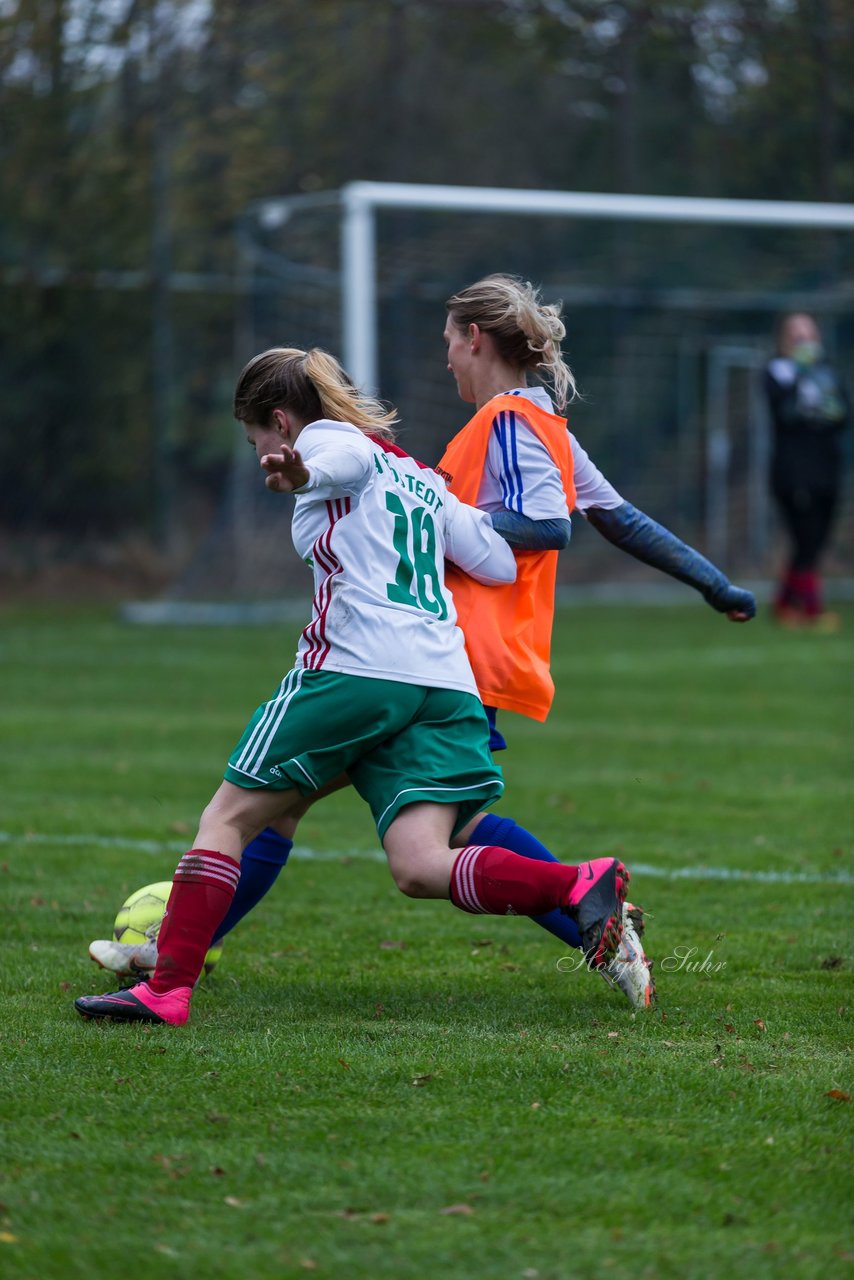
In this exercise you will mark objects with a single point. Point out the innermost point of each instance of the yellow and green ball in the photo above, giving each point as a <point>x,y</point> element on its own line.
<point>141,915</point>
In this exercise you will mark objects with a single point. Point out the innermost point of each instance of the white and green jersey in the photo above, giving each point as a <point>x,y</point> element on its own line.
<point>376,529</point>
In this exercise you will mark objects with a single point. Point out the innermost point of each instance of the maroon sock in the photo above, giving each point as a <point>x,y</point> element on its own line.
<point>802,589</point>
<point>202,889</point>
<point>489,880</point>
<point>811,590</point>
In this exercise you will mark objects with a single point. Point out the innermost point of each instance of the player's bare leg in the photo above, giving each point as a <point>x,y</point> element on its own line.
<point>263,859</point>
<point>417,845</point>
<point>490,880</point>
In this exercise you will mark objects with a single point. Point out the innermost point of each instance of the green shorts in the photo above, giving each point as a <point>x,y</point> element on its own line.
<point>399,743</point>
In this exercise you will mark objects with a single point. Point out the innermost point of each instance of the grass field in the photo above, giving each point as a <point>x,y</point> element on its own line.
<point>373,1087</point>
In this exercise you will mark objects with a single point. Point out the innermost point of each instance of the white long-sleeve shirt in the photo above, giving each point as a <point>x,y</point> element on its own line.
<point>520,475</point>
<point>376,529</point>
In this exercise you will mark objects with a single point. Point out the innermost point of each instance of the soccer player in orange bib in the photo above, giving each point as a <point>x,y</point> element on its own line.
<point>516,460</point>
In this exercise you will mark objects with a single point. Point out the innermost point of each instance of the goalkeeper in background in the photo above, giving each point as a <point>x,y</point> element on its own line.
<point>809,409</point>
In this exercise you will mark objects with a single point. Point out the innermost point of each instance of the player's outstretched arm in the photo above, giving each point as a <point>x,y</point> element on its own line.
<point>646,540</point>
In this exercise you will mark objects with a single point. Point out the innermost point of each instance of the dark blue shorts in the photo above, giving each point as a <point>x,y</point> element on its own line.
<point>497,741</point>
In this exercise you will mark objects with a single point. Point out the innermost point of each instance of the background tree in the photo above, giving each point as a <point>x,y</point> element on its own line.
<point>135,131</point>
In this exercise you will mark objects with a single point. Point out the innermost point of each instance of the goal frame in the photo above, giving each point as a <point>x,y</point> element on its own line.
<point>360,201</point>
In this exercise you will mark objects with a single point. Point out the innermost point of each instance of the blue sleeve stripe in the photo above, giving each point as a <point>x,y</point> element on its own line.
<point>506,478</point>
<point>515,457</point>
<point>511,476</point>
<point>497,427</point>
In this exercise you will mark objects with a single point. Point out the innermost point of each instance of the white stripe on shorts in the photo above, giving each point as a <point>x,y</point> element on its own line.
<point>474,787</point>
<point>268,723</point>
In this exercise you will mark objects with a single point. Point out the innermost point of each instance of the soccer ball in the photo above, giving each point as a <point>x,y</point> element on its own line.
<point>141,916</point>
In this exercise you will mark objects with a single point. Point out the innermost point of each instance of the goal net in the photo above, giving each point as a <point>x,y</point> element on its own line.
<point>670,306</point>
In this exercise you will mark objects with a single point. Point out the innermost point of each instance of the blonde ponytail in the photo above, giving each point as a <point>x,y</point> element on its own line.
<point>312,384</point>
<point>342,401</point>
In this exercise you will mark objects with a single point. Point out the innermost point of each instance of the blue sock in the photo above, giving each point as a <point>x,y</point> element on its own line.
<point>505,833</point>
<point>263,859</point>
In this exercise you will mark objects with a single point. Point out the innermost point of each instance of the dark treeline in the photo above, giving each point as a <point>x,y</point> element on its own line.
<point>135,131</point>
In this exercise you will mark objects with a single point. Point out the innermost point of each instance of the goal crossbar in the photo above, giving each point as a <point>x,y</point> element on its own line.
<point>359,202</point>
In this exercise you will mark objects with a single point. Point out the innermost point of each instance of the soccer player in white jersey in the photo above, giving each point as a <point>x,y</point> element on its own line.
<point>381,690</point>
<point>498,333</point>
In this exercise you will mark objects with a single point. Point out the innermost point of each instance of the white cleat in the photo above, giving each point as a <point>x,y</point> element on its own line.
<point>630,970</point>
<point>127,959</point>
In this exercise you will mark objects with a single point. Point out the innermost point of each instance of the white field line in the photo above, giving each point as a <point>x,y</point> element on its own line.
<point>301,852</point>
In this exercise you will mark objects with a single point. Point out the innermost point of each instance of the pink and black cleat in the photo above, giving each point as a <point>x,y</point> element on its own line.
<point>596,905</point>
<point>138,1004</point>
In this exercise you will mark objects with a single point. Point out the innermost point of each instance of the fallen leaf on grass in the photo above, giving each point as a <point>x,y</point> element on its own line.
<point>462,1209</point>
<point>839,1094</point>
<point>759,1024</point>
<point>6,1237</point>
<point>233,1202</point>
<point>345,1065</point>
<point>418,1081</point>
<point>380,1218</point>
<point>393,944</point>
